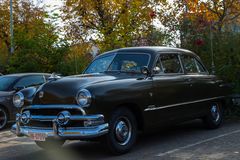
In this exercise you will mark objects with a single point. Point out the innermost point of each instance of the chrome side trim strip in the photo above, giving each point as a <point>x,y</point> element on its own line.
<point>184,103</point>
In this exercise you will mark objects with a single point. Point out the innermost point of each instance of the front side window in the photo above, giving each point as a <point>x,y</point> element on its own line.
<point>30,81</point>
<point>170,63</point>
<point>124,62</point>
<point>191,65</point>
<point>129,62</point>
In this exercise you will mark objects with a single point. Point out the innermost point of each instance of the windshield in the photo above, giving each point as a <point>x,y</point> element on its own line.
<point>126,62</point>
<point>100,64</point>
<point>6,82</point>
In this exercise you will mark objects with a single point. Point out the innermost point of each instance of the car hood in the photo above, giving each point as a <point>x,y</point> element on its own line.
<point>64,90</point>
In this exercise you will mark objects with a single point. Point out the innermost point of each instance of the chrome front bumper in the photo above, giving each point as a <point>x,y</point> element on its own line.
<point>60,132</point>
<point>94,126</point>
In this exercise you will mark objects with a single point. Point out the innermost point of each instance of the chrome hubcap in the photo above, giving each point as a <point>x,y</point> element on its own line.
<point>123,131</point>
<point>3,118</point>
<point>215,112</point>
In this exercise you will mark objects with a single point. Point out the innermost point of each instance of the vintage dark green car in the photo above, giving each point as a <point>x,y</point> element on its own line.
<point>120,93</point>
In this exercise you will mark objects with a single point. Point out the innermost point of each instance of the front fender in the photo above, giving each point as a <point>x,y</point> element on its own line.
<point>108,96</point>
<point>28,93</point>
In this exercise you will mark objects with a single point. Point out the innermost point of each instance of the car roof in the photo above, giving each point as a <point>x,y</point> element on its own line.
<point>154,49</point>
<point>25,74</point>
<point>149,49</point>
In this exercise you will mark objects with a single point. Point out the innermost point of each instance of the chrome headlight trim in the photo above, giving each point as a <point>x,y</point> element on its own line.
<point>84,98</point>
<point>18,100</point>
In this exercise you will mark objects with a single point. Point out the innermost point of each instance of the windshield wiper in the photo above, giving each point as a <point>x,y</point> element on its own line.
<point>122,71</point>
<point>116,71</point>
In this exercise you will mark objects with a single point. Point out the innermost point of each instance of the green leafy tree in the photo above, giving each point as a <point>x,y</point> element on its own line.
<point>108,23</point>
<point>76,59</point>
<point>38,47</point>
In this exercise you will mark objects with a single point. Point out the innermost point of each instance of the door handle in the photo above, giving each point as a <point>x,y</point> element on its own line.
<point>188,79</point>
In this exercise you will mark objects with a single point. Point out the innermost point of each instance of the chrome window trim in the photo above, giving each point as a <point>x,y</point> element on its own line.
<point>180,104</point>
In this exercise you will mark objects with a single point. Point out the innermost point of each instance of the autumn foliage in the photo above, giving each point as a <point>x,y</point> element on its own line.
<point>211,28</point>
<point>108,23</point>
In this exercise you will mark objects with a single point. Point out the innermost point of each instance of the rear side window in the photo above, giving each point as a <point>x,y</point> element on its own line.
<point>30,81</point>
<point>191,65</point>
<point>200,67</point>
<point>170,63</point>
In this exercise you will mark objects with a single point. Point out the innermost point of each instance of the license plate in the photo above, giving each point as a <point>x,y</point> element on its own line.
<point>38,136</point>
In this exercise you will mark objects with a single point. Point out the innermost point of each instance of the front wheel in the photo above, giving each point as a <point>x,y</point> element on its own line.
<point>50,144</point>
<point>214,117</point>
<point>122,131</point>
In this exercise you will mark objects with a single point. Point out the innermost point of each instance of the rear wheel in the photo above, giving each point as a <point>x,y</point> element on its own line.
<point>122,131</point>
<point>215,116</point>
<point>3,118</point>
<point>51,144</point>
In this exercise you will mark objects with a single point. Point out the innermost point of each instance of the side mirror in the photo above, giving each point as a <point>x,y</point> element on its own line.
<point>18,88</point>
<point>145,71</point>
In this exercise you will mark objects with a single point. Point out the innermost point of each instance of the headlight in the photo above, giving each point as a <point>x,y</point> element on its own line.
<point>18,100</point>
<point>84,98</point>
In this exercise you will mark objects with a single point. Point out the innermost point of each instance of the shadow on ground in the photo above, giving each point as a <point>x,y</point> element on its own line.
<point>146,144</point>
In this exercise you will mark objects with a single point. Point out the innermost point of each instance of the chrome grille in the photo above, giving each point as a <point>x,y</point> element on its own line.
<point>43,115</point>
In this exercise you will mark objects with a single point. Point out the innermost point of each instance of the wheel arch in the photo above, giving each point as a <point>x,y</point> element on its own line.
<point>136,111</point>
<point>226,102</point>
<point>6,109</point>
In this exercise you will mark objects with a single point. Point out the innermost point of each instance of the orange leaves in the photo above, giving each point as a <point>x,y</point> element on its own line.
<point>221,12</point>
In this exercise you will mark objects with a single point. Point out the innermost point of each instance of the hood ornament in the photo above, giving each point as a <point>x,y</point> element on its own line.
<point>54,77</point>
<point>41,94</point>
